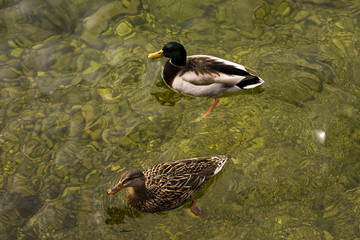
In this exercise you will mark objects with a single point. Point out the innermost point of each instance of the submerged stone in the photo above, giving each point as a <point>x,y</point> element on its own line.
<point>301,15</point>
<point>123,29</point>
<point>97,23</point>
<point>94,66</point>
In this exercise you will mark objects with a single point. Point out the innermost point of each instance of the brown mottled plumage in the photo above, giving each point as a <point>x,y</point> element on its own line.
<point>168,185</point>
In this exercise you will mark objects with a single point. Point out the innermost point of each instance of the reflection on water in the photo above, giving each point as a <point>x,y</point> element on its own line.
<point>320,135</point>
<point>80,103</point>
<point>117,215</point>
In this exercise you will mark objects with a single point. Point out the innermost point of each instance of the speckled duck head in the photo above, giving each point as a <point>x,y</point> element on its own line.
<point>132,178</point>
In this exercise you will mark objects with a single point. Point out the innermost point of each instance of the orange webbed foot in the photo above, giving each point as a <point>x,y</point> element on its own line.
<point>211,108</point>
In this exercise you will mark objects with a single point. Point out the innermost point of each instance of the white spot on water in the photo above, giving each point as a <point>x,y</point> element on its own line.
<point>320,135</point>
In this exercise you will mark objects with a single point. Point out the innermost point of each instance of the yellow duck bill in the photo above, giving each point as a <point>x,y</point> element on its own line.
<point>158,54</point>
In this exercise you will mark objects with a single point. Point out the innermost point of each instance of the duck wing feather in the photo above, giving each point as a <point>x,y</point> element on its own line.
<point>206,70</point>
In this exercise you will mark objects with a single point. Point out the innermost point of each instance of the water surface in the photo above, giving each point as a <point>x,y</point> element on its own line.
<point>80,103</point>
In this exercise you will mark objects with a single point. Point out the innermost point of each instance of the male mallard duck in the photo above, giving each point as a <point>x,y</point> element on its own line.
<point>168,185</point>
<point>203,75</point>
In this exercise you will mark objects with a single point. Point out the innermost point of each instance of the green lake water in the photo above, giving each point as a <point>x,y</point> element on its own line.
<point>81,102</point>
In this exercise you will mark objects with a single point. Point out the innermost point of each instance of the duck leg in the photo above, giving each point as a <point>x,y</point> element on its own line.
<point>195,209</point>
<point>210,108</point>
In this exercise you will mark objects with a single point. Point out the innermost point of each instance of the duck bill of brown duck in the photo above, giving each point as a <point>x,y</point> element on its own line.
<point>116,188</point>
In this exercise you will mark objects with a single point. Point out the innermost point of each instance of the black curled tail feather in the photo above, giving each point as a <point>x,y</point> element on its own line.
<point>248,81</point>
<point>231,70</point>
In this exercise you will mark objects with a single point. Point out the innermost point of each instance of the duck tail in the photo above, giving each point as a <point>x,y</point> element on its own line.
<point>220,160</point>
<point>250,81</point>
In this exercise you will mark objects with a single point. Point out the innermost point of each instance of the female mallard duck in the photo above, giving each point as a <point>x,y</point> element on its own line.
<point>203,75</point>
<point>168,185</point>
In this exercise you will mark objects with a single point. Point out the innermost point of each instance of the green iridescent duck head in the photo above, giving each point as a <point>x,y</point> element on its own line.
<point>173,50</point>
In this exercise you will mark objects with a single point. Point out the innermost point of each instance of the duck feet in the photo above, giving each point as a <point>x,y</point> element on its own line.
<point>195,209</point>
<point>210,108</point>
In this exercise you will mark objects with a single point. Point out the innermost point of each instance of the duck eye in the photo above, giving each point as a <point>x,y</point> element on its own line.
<point>128,179</point>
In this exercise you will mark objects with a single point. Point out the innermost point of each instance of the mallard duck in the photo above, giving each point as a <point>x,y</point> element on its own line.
<point>203,75</point>
<point>168,185</point>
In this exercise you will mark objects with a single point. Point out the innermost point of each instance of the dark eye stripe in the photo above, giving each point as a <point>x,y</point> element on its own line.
<point>131,178</point>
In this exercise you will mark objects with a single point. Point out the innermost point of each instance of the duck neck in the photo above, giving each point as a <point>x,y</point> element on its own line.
<point>136,193</point>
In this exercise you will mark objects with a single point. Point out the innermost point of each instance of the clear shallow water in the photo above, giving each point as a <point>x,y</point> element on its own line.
<point>80,103</point>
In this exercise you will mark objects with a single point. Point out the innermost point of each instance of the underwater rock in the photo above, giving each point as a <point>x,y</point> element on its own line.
<point>91,112</point>
<point>34,149</point>
<point>28,205</point>
<point>301,15</point>
<point>94,66</point>
<point>77,124</point>
<point>82,197</point>
<point>177,10</point>
<point>312,83</point>
<point>8,73</point>
<point>115,136</point>
<point>347,24</point>
<point>321,1</point>
<point>273,13</point>
<point>284,9</point>
<point>107,94</point>
<point>123,28</point>
<point>97,23</point>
